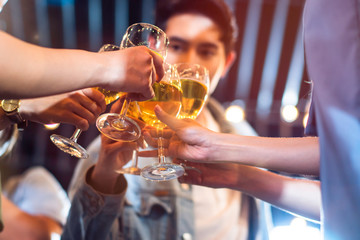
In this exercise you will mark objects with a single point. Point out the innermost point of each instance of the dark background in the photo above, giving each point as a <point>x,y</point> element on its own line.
<point>269,65</point>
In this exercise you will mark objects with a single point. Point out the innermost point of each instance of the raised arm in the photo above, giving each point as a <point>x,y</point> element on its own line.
<point>103,185</point>
<point>29,71</point>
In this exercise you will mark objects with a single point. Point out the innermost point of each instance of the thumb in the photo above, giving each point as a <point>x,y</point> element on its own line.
<point>157,65</point>
<point>169,120</point>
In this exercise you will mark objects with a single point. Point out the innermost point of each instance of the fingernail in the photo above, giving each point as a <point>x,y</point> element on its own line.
<point>157,109</point>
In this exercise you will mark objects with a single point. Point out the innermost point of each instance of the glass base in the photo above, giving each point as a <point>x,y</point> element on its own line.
<point>69,146</point>
<point>162,172</point>
<point>125,129</point>
<point>129,170</point>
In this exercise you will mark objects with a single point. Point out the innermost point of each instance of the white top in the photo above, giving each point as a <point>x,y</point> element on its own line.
<point>217,211</point>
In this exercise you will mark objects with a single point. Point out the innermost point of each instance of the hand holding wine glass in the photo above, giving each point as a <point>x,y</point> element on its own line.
<point>70,145</point>
<point>167,95</point>
<point>133,112</point>
<point>112,155</point>
<point>81,106</point>
<point>121,127</point>
<point>194,82</point>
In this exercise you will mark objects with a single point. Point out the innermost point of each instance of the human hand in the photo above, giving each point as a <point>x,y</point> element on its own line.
<point>134,70</point>
<point>191,141</point>
<point>214,175</point>
<point>117,153</point>
<point>80,108</point>
<point>113,156</point>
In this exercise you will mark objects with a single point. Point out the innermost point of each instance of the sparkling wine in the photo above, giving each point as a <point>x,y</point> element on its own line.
<point>110,96</point>
<point>167,96</point>
<point>133,111</point>
<point>193,99</point>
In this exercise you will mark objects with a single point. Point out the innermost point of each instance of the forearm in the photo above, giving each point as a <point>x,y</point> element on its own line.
<point>31,71</point>
<point>292,155</point>
<point>20,225</point>
<point>299,196</point>
<point>92,213</point>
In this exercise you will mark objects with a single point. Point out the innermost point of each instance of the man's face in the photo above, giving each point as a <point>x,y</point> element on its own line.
<point>196,39</point>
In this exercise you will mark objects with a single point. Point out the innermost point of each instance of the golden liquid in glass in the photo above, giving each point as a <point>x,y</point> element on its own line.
<point>167,96</point>
<point>133,111</point>
<point>110,96</point>
<point>193,99</point>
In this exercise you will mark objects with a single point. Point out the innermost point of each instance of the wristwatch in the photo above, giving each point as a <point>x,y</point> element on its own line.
<point>11,109</point>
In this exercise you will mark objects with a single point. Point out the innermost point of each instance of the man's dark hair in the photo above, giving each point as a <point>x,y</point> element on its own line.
<point>217,10</point>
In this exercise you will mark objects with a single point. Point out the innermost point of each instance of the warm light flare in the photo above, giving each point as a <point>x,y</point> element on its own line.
<point>52,126</point>
<point>289,113</point>
<point>235,114</point>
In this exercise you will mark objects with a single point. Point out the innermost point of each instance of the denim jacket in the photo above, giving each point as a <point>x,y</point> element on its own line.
<point>149,211</point>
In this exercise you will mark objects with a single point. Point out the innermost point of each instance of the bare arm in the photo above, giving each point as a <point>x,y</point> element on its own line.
<point>21,225</point>
<point>298,196</point>
<point>196,143</point>
<point>29,71</point>
<point>292,155</point>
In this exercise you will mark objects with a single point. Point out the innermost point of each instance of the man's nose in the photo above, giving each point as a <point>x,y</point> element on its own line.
<point>191,57</point>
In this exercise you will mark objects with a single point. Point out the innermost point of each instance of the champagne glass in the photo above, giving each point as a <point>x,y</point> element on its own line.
<point>121,127</point>
<point>168,96</point>
<point>70,145</point>
<point>133,112</point>
<point>131,109</point>
<point>195,83</point>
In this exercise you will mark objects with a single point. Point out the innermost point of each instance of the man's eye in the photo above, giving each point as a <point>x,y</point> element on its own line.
<point>207,53</point>
<point>175,47</point>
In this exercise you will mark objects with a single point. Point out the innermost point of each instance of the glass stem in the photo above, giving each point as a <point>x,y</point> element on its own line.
<point>76,135</point>
<point>135,158</point>
<point>125,107</point>
<point>161,154</point>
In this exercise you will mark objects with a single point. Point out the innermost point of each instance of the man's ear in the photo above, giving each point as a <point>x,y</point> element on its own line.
<point>230,59</point>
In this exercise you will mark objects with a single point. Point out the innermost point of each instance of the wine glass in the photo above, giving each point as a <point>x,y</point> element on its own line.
<point>70,145</point>
<point>195,83</point>
<point>168,96</point>
<point>119,126</point>
<point>133,169</point>
<point>133,112</point>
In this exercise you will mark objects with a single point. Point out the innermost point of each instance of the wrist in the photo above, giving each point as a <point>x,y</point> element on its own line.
<point>225,148</point>
<point>106,75</point>
<point>11,111</point>
<point>100,75</point>
<point>105,182</point>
